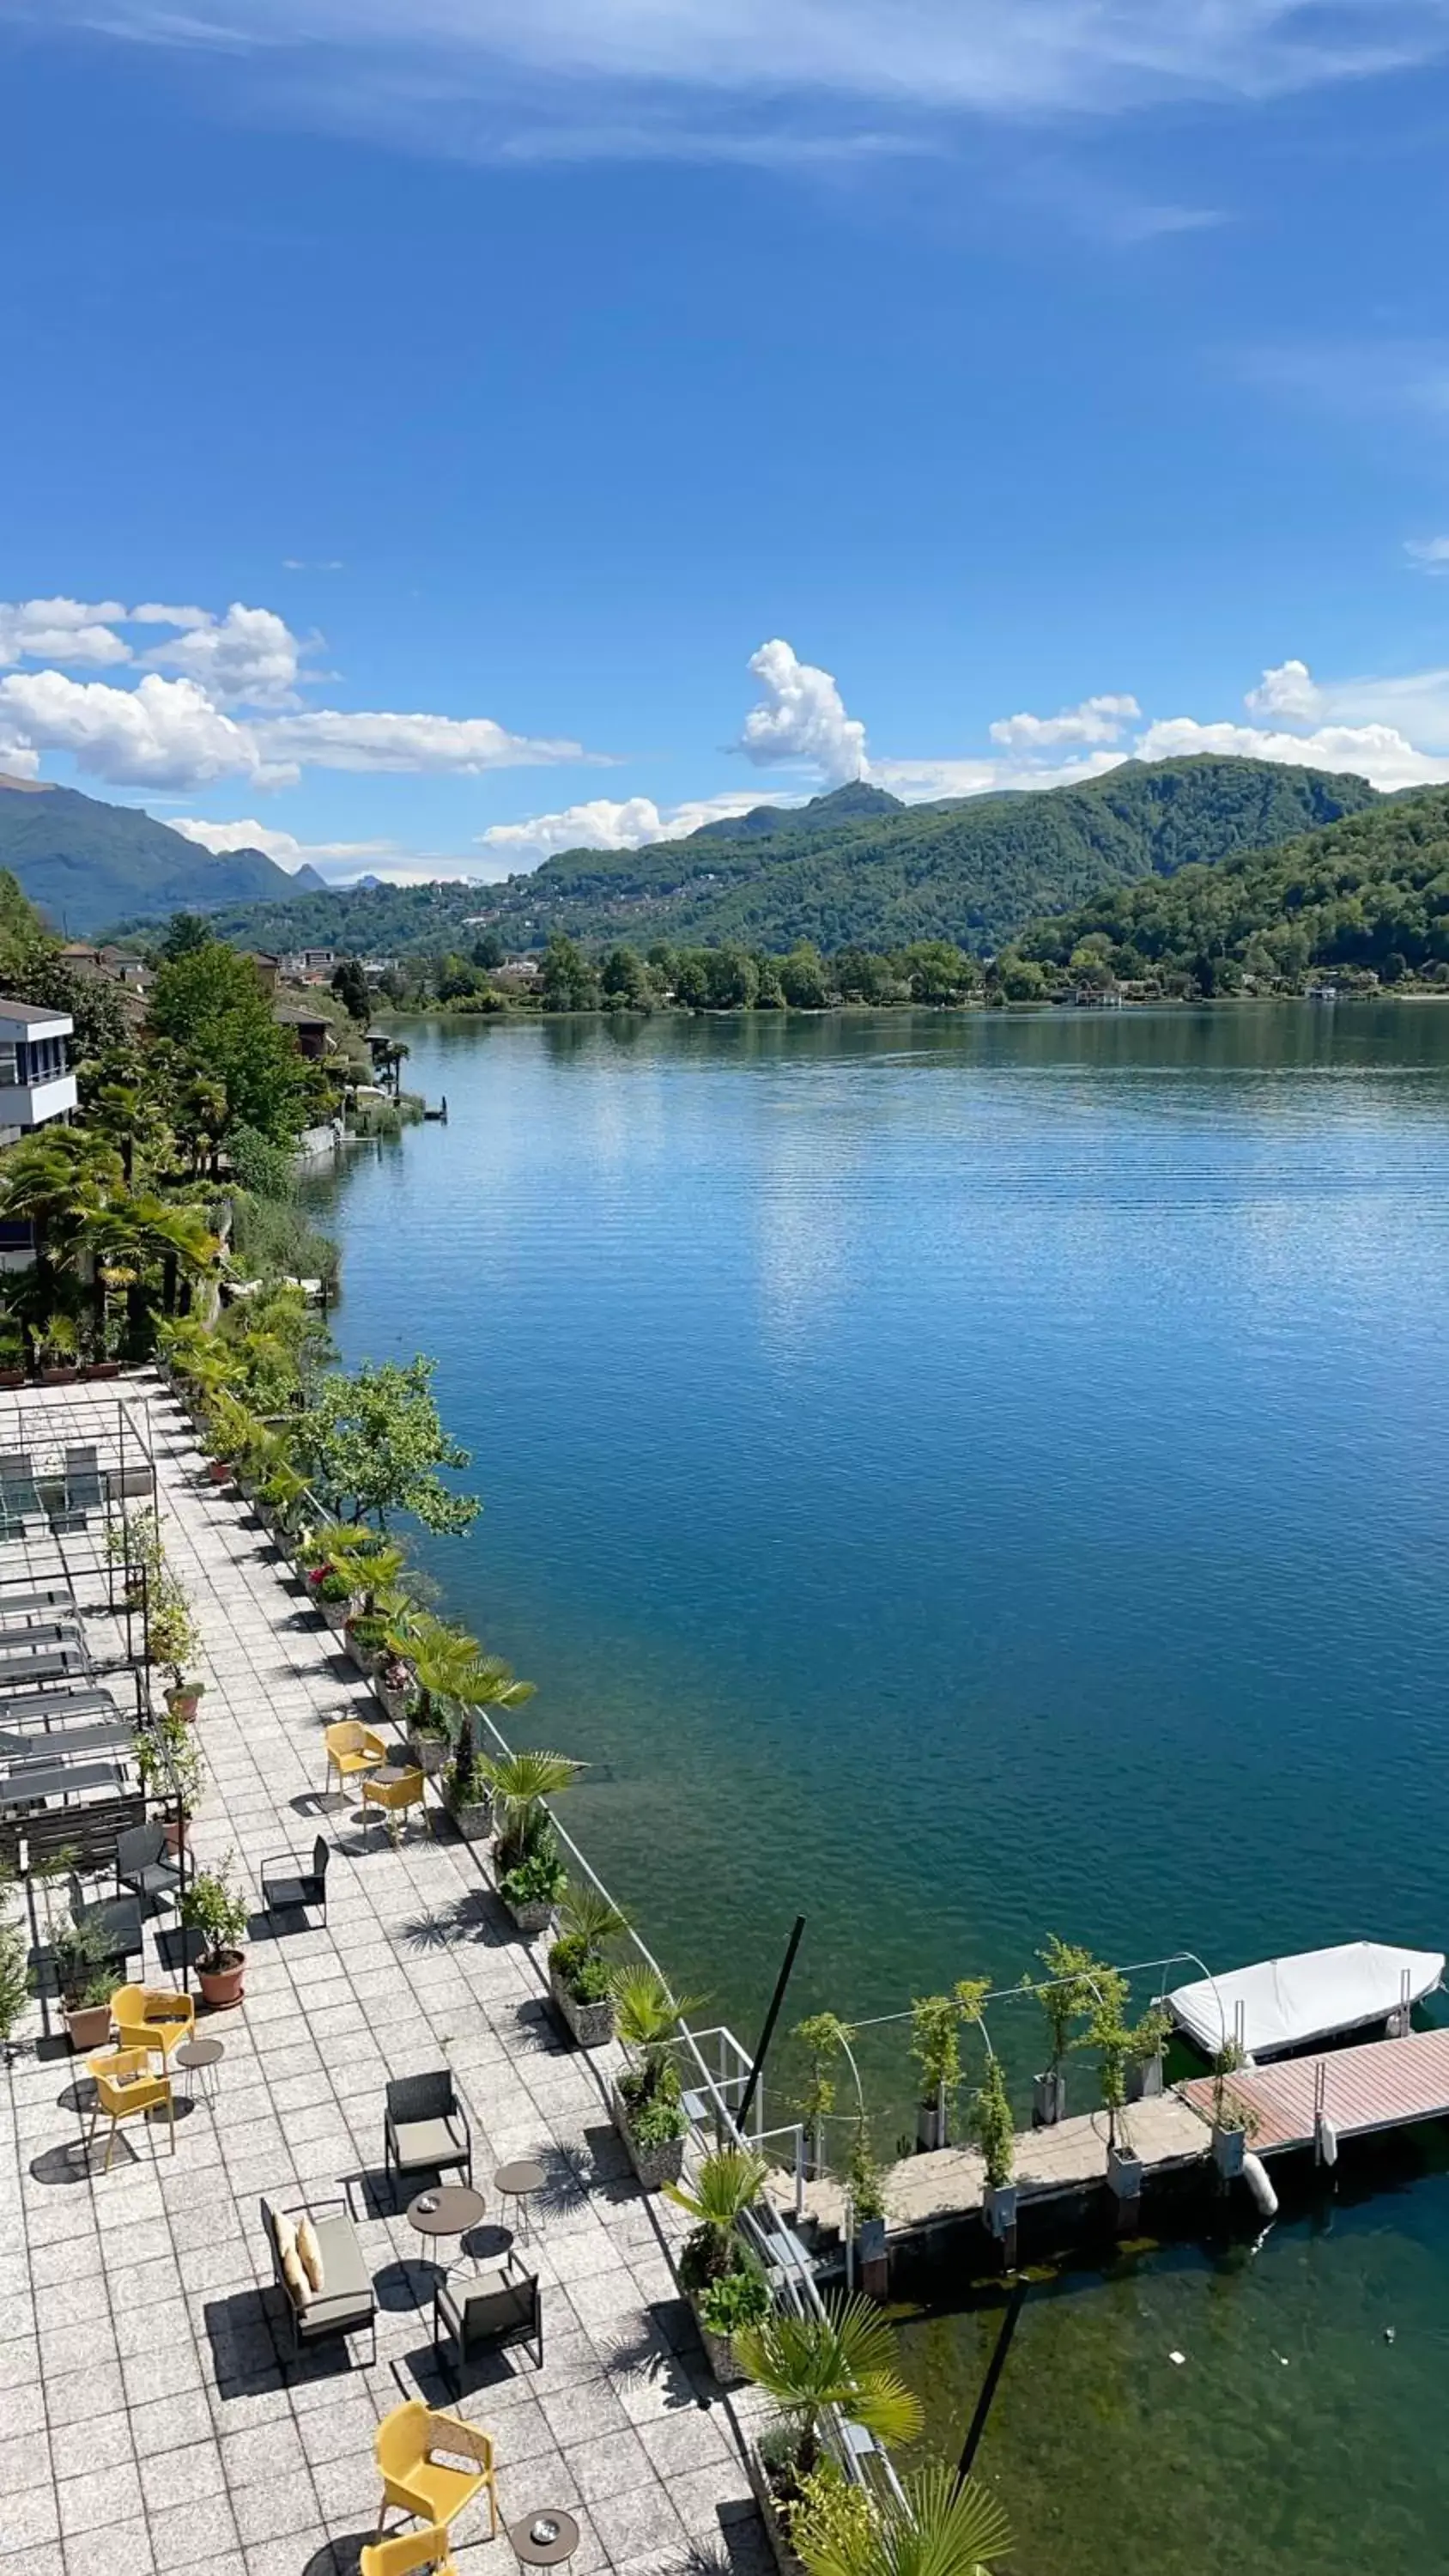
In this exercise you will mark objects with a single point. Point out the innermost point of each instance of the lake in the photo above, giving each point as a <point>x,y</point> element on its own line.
<point>965,1477</point>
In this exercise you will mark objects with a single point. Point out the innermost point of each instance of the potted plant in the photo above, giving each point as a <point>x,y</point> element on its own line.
<point>936,2048</point>
<point>994,2133</point>
<point>865,2184</point>
<point>529,1869</point>
<point>578,1973</point>
<point>330,1591</point>
<point>391,1687</point>
<point>1066,1995</point>
<point>822,2036</point>
<point>87,1977</point>
<point>1234,2121</point>
<point>134,1543</point>
<point>279,1497</point>
<point>934,2519</point>
<point>168,1758</point>
<point>212,1906</point>
<point>723,2284</point>
<point>365,1636</point>
<point>174,1641</point>
<point>843,2362</point>
<point>15,1984</point>
<point>1145,2052</point>
<point>647,2100</point>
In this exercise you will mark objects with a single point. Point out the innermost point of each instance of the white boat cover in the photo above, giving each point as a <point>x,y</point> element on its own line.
<point>1288,2002</point>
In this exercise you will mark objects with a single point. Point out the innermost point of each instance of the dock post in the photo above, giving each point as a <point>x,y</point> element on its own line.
<point>1124,2182</point>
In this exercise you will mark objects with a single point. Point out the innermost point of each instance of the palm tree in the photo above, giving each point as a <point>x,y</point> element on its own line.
<point>844,2358</point>
<point>588,1916</point>
<point>728,2183</point>
<point>647,2016</point>
<point>57,1182</point>
<point>942,2525</point>
<point>520,1782</point>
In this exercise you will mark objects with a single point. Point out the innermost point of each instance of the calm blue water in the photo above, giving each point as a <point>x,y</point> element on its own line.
<point>959,1478</point>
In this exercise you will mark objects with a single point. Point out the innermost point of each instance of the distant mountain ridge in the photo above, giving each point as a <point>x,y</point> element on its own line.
<point>858,870</point>
<point>86,864</point>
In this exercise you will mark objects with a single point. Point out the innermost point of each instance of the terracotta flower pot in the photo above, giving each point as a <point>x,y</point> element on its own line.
<point>219,1470</point>
<point>89,2026</point>
<point>222,1987</point>
<point>176,1835</point>
<point>184,1703</point>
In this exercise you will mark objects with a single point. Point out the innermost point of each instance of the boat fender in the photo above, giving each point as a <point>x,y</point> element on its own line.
<point>1255,2175</point>
<point>1326,2140</point>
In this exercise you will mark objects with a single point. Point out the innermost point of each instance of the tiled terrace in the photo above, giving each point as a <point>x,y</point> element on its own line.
<point>145,2423</point>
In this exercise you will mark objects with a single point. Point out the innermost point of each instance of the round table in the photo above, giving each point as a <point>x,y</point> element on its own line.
<point>544,2553</point>
<point>520,2181</point>
<point>455,2208</point>
<point>201,2057</point>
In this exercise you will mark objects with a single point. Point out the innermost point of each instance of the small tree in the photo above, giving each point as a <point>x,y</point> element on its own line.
<point>1068,1994</point>
<point>374,1443</point>
<point>992,2127</point>
<point>936,2048</point>
<point>728,2183</point>
<point>823,2036</point>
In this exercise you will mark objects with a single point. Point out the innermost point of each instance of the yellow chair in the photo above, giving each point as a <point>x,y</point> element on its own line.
<point>152,2018</point>
<point>394,1797</point>
<point>416,2480</point>
<point>125,2090</point>
<point>352,1747</point>
<point>409,2554</point>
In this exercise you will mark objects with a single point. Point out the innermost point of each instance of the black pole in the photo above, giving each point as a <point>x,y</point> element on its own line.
<point>767,2034</point>
<point>989,2385</point>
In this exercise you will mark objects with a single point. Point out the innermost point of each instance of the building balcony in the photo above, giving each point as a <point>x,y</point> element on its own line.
<point>24,1105</point>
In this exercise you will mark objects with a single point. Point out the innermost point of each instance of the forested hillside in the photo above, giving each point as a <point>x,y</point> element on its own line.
<point>973,871</point>
<point>1373,891</point>
<point>87,863</point>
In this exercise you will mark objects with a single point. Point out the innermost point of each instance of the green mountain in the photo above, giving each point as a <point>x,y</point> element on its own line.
<point>86,864</point>
<point>846,804</point>
<point>1371,891</point>
<point>854,869</point>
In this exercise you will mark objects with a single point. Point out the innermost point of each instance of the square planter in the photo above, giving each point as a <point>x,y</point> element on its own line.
<point>592,2025</point>
<point>1049,2100</point>
<point>531,1919</point>
<point>1144,2082</point>
<point>428,1753</point>
<point>786,2562</point>
<point>1124,2174</point>
<point>933,2127</point>
<point>473,1819</point>
<point>719,2350</point>
<point>336,1614</point>
<point>1230,2146</point>
<point>653,2166</point>
<point>998,2208</point>
<point>393,1703</point>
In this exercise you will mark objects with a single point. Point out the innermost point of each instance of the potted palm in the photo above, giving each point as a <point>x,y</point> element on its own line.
<point>212,1906</point>
<point>479,1681</point>
<point>723,2283</point>
<point>647,2100</point>
<point>578,1972</point>
<point>87,1976</point>
<point>440,1657</point>
<point>841,2360</point>
<point>527,1863</point>
<point>933,2520</point>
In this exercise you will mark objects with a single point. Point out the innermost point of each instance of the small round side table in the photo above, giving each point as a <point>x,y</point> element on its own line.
<point>556,2546</point>
<point>201,2057</point>
<point>455,2208</point>
<point>519,2182</point>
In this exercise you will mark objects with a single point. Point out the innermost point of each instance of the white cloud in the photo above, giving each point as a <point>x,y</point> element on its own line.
<point>1094,720</point>
<point>919,782</point>
<point>607,823</point>
<point>163,733</point>
<point>248,657</point>
<point>284,847</point>
<point>1428,554</point>
<point>1374,751</point>
<point>801,718</point>
<point>375,60</point>
<point>154,612</point>
<point>462,745</point>
<point>1415,704</point>
<point>61,630</point>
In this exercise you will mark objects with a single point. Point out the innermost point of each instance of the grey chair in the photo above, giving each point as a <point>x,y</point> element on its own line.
<point>484,2315</point>
<point>80,1493</point>
<point>425,2129</point>
<point>144,1867</point>
<point>345,2304</point>
<point>116,1918</point>
<point>301,1887</point>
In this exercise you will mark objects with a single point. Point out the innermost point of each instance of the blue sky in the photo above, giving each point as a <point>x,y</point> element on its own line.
<point>534,426</point>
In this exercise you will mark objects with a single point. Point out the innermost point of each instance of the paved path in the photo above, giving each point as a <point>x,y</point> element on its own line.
<point>144,2422</point>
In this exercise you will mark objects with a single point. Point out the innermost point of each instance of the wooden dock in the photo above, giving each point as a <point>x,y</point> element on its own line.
<point>1381,2084</point>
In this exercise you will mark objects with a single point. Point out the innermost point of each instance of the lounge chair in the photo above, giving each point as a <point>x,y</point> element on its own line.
<point>497,2309</point>
<point>301,1887</point>
<point>144,1867</point>
<point>425,2129</point>
<point>344,2305</point>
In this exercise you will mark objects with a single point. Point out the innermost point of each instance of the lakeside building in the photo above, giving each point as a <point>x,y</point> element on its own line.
<point>314,1035</point>
<point>37,1089</point>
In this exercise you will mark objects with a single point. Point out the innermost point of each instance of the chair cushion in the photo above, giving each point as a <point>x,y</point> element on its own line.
<point>343,2267</point>
<point>309,2253</point>
<point>285,2234</point>
<point>428,2142</point>
<point>298,2285</point>
<point>285,1892</point>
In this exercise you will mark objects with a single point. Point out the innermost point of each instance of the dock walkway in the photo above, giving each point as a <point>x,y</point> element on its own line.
<point>1381,2084</point>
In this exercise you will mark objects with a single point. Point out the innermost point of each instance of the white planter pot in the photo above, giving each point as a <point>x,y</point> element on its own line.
<point>1230,2146</point>
<point>1124,2174</point>
<point>998,2208</point>
<point>1144,2082</point>
<point>933,2127</point>
<point>1049,2099</point>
